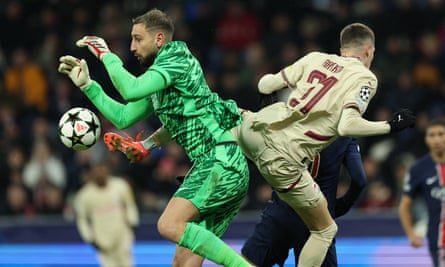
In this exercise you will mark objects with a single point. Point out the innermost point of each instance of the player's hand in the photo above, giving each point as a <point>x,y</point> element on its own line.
<point>76,69</point>
<point>95,44</point>
<point>402,119</point>
<point>416,241</point>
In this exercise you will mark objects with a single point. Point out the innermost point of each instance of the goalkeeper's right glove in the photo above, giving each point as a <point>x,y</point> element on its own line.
<point>95,44</point>
<point>402,119</point>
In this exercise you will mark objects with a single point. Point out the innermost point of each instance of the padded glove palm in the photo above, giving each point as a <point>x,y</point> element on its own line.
<point>76,69</point>
<point>95,44</point>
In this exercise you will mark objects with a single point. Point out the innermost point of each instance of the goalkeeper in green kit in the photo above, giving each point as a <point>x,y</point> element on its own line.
<point>174,88</point>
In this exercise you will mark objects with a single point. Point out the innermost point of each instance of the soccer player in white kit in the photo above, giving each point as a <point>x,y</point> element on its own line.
<point>106,214</point>
<point>330,94</point>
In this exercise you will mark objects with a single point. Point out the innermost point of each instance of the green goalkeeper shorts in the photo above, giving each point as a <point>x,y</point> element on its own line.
<point>217,184</point>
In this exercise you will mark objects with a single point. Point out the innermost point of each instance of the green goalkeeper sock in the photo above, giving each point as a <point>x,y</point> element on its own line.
<point>208,245</point>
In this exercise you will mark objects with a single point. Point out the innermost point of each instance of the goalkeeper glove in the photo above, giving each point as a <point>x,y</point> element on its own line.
<point>76,69</point>
<point>402,119</point>
<point>95,44</point>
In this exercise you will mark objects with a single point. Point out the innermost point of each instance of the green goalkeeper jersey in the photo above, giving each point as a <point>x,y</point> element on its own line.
<point>174,87</point>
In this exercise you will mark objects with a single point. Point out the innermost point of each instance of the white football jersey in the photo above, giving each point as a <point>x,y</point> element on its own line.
<point>322,85</point>
<point>106,214</point>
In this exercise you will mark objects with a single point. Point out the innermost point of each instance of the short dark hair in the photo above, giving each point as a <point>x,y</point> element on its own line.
<point>355,35</point>
<point>156,19</point>
<point>436,122</point>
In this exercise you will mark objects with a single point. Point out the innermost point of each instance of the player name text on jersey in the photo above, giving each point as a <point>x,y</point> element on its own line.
<point>332,66</point>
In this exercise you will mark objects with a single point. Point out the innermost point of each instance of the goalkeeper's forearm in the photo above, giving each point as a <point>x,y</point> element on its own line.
<point>129,86</point>
<point>157,139</point>
<point>121,115</point>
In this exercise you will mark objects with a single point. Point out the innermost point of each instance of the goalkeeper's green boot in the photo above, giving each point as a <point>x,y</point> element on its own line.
<point>131,147</point>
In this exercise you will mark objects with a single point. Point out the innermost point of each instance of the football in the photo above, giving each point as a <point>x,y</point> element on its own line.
<point>79,128</point>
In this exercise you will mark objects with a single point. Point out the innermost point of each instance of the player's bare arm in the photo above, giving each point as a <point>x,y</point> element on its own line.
<point>406,219</point>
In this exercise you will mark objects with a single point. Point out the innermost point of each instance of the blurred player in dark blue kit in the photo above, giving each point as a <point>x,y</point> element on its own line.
<point>281,229</point>
<point>426,180</point>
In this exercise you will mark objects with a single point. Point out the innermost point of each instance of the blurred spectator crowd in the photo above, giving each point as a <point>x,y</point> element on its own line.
<point>237,42</point>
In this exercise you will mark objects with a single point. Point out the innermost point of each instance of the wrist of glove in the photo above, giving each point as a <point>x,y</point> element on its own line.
<point>76,69</point>
<point>402,119</point>
<point>95,44</point>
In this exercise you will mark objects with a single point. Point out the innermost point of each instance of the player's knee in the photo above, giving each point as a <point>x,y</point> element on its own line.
<point>176,262</point>
<point>171,229</point>
<point>166,228</point>
<point>326,234</point>
<point>162,228</point>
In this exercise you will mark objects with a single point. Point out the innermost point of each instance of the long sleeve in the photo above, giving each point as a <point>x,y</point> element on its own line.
<point>130,206</point>
<point>121,115</point>
<point>82,219</point>
<point>270,83</point>
<point>352,124</point>
<point>353,163</point>
<point>287,77</point>
<point>129,86</point>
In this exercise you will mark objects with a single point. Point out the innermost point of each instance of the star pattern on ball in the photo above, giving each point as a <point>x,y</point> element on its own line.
<point>72,118</point>
<point>93,125</point>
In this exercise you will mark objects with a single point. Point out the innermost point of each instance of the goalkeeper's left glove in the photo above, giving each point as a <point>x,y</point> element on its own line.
<point>76,69</point>
<point>95,44</point>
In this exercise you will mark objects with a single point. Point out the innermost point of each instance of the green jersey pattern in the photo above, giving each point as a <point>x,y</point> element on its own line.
<point>217,185</point>
<point>194,115</point>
